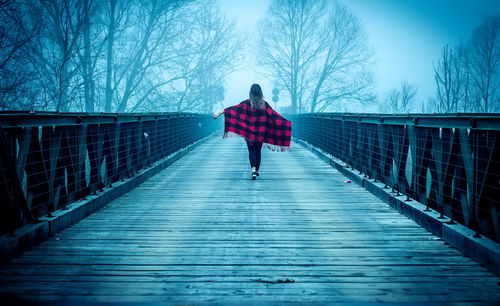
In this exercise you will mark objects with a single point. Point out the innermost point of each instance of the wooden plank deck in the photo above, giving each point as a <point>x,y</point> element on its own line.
<point>201,231</point>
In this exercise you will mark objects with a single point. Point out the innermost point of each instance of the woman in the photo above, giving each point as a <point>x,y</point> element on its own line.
<point>258,123</point>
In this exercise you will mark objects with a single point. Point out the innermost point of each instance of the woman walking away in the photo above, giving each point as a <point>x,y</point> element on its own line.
<point>259,124</point>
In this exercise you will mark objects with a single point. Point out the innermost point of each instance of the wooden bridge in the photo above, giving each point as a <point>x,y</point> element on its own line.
<point>201,231</point>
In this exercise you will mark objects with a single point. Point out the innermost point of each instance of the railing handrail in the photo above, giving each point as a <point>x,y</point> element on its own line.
<point>484,121</point>
<point>27,119</point>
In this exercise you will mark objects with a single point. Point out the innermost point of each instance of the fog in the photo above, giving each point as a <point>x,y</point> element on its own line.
<point>407,38</point>
<point>201,56</point>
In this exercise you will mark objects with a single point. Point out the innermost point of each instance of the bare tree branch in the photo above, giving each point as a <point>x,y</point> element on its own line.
<point>399,100</point>
<point>314,50</point>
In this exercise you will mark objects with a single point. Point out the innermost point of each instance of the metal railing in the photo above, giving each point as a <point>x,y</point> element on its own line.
<point>448,162</point>
<point>49,160</point>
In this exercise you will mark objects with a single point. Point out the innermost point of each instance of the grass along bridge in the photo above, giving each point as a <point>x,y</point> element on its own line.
<point>201,231</point>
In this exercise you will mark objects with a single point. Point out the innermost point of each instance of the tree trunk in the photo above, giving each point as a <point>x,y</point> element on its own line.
<point>87,69</point>
<point>109,57</point>
<point>63,101</point>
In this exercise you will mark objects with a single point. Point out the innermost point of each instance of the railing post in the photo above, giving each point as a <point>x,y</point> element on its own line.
<point>17,192</point>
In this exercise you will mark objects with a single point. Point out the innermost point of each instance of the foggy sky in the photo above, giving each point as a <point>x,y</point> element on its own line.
<point>407,37</point>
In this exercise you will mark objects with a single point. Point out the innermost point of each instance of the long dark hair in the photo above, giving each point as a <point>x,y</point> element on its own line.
<point>257,97</point>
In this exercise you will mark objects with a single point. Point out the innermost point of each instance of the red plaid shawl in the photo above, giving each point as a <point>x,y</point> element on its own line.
<point>258,125</point>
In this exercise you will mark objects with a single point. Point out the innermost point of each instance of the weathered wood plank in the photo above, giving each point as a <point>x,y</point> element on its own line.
<point>202,232</point>
<point>430,272</point>
<point>230,280</point>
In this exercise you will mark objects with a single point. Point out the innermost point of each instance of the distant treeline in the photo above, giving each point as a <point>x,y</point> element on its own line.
<point>467,78</point>
<point>114,56</point>
<point>155,55</point>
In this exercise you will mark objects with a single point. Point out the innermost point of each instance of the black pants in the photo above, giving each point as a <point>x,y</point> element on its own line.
<point>254,149</point>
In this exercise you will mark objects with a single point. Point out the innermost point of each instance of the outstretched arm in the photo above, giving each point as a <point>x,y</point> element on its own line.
<point>215,115</point>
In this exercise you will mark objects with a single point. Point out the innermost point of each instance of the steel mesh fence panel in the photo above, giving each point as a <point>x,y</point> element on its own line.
<point>448,163</point>
<point>50,160</point>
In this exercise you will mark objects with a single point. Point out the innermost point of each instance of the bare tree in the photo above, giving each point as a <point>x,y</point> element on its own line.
<point>147,49</point>
<point>116,21</point>
<point>17,78</point>
<point>130,55</point>
<point>408,92</point>
<point>318,57</point>
<point>54,50</point>
<point>451,79</point>
<point>109,55</point>
<point>341,74</point>
<point>427,106</point>
<point>399,100</point>
<point>468,77</point>
<point>289,42</point>
<point>484,65</point>
<point>87,59</point>
<point>207,53</point>
<point>470,93</point>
